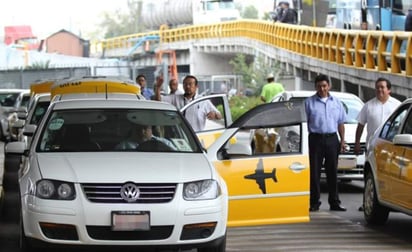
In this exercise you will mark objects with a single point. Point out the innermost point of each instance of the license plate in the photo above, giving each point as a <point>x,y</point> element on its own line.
<point>347,163</point>
<point>130,220</point>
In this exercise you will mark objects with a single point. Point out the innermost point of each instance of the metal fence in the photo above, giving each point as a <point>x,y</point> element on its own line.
<point>23,78</point>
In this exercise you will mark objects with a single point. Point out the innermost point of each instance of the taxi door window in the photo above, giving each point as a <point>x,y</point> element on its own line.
<point>407,129</point>
<point>391,126</point>
<point>197,114</point>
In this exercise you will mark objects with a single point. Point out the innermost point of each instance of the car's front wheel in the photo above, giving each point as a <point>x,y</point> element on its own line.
<point>374,212</point>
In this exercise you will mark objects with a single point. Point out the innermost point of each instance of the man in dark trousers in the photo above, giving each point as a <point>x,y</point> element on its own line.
<point>325,117</point>
<point>408,21</point>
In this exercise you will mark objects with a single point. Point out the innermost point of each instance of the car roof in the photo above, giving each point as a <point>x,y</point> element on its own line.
<point>110,100</point>
<point>42,96</point>
<point>12,90</point>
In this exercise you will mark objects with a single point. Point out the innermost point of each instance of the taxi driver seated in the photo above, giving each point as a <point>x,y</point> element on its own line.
<point>140,134</point>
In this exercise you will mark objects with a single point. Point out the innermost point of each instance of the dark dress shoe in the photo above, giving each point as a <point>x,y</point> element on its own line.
<point>338,208</point>
<point>313,208</point>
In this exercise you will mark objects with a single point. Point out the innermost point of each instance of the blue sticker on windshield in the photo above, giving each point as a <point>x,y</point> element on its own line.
<point>56,124</point>
<point>39,111</point>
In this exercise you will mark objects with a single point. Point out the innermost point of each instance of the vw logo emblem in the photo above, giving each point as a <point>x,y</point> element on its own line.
<point>130,192</point>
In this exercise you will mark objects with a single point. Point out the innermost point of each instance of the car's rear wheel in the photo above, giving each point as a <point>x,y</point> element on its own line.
<point>221,247</point>
<point>374,212</point>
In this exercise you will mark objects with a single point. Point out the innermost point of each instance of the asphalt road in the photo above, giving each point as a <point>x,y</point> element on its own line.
<point>327,231</point>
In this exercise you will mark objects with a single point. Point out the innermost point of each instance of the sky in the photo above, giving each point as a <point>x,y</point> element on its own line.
<point>49,16</point>
<point>81,17</point>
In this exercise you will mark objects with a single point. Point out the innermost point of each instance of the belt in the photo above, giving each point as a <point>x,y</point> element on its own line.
<point>323,134</point>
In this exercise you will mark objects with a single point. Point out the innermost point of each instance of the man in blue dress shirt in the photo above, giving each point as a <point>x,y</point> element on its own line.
<point>146,92</point>
<point>325,117</point>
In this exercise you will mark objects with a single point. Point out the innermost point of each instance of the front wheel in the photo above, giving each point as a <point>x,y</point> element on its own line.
<point>374,212</point>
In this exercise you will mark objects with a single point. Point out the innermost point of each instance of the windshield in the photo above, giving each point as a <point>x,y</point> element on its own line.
<point>8,99</point>
<point>117,130</point>
<point>352,108</point>
<point>39,111</point>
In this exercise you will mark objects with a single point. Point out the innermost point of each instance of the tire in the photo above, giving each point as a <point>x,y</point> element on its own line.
<point>374,212</point>
<point>221,247</point>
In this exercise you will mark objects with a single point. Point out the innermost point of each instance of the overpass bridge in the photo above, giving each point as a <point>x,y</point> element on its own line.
<point>353,59</point>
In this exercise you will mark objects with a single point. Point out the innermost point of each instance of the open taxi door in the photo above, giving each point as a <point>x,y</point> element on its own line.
<point>213,128</point>
<point>266,185</point>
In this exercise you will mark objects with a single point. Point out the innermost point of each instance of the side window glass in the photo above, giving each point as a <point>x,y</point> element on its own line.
<point>209,114</point>
<point>391,126</point>
<point>265,141</point>
<point>408,125</point>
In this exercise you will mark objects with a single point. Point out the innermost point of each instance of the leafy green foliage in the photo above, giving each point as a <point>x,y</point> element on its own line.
<point>250,12</point>
<point>254,73</point>
<point>39,65</point>
<point>240,104</point>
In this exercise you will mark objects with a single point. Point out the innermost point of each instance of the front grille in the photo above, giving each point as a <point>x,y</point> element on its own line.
<point>105,233</point>
<point>352,148</point>
<point>110,193</point>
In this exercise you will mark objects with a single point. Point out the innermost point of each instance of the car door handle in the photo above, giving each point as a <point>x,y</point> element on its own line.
<point>297,167</point>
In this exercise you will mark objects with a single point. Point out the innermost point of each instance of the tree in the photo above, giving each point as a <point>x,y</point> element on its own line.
<point>250,12</point>
<point>255,71</point>
<point>118,23</point>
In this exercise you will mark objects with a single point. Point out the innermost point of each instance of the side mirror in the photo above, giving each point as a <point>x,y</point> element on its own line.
<point>15,148</point>
<point>18,124</point>
<point>29,130</point>
<point>240,149</point>
<point>402,139</point>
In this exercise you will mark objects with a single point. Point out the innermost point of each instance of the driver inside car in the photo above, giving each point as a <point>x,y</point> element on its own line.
<point>141,134</point>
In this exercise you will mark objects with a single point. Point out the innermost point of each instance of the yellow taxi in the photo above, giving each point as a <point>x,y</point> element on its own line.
<point>388,167</point>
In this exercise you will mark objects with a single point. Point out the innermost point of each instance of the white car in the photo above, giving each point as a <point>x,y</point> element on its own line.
<point>36,110</point>
<point>18,112</point>
<point>10,100</point>
<point>78,187</point>
<point>350,166</point>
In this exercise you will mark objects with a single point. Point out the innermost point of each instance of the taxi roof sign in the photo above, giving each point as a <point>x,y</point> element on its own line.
<point>41,86</point>
<point>95,84</point>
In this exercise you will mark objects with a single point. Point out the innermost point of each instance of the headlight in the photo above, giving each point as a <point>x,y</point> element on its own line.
<point>201,190</point>
<point>53,189</point>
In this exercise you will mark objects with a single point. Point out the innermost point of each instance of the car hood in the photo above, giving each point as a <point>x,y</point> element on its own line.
<point>117,167</point>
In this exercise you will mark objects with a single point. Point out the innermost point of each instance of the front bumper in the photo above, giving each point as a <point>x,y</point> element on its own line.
<point>177,223</point>
<point>350,167</point>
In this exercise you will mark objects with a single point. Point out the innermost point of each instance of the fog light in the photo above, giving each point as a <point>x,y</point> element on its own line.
<point>198,230</point>
<point>59,231</point>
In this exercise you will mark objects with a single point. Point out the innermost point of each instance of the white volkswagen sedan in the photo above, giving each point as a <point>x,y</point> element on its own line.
<point>110,169</point>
